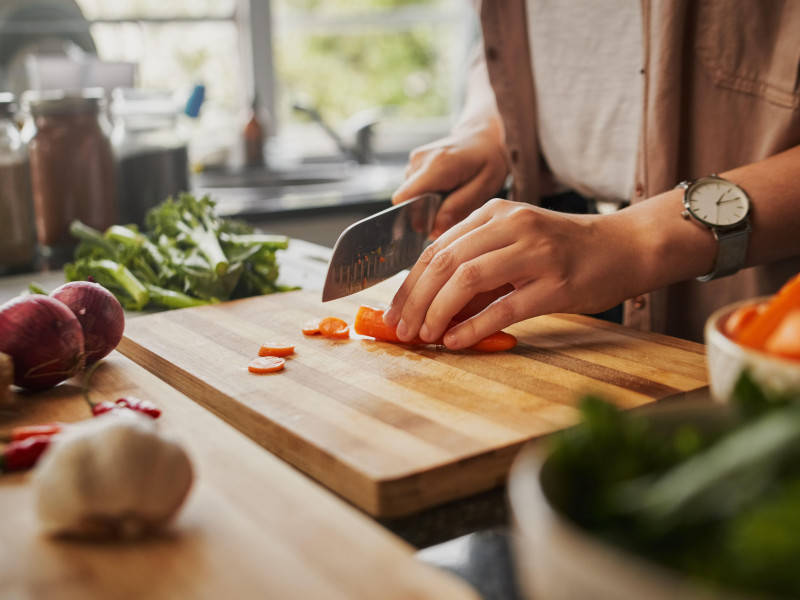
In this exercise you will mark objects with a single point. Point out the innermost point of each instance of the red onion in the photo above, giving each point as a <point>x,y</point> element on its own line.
<point>43,338</point>
<point>100,315</point>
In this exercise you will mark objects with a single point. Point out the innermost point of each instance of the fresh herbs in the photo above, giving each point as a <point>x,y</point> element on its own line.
<point>718,500</point>
<point>187,256</point>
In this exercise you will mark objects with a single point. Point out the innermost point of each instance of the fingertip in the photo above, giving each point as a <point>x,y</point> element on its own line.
<point>391,316</point>
<point>452,341</point>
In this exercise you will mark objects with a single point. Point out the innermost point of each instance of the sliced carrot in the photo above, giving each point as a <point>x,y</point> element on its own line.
<point>311,327</point>
<point>497,342</point>
<point>369,321</point>
<point>740,318</point>
<point>334,327</point>
<point>785,340</point>
<point>266,364</point>
<point>275,349</point>
<point>763,326</point>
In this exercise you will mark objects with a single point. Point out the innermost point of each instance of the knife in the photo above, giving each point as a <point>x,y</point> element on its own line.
<point>380,246</point>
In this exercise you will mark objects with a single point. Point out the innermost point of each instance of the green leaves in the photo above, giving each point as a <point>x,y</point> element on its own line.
<point>186,257</point>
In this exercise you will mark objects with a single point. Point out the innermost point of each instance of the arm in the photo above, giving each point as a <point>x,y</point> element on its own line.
<point>582,263</point>
<point>470,162</point>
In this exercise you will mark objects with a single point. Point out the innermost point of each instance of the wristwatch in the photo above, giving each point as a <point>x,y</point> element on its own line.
<point>723,207</point>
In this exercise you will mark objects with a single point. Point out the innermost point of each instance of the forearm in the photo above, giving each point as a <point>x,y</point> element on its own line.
<point>667,248</point>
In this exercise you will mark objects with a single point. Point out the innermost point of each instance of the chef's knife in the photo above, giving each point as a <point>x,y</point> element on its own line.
<point>380,246</point>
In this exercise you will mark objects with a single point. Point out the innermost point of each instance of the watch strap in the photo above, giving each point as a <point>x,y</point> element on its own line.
<point>732,251</point>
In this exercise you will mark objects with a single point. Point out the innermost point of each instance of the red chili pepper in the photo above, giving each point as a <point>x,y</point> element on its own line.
<point>25,431</point>
<point>23,454</point>
<point>143,406</point>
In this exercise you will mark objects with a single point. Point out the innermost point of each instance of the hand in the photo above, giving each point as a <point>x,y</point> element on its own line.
<point>516,261</point>
<point>470,164</point>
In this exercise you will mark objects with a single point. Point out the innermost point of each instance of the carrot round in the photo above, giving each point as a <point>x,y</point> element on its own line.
<point>266,364</point>
<point>334,327</point>
<point>785,340</point>
<point>756,332</point>
<point>740,318</point>
<point>275,349</point>
<point>311,327</point>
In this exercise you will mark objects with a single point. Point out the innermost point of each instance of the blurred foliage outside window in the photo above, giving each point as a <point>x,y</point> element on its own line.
<point>340,56</point>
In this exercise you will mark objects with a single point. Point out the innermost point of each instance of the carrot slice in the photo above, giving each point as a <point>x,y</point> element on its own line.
<point>369,321</point>
<point>311,327</point>
<point>266,364</point>
<point>275,349</point>
<point>334,327</point>
<point>755,333</point>
<point>740,318</point>
<point>785,340</point>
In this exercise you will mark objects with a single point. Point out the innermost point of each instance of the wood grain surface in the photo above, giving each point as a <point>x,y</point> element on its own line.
<point>394,428</point>
<point>252,527</point>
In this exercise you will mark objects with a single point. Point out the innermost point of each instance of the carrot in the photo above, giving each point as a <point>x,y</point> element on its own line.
<point>275,349</point>
<point>785,340</point>
<point>755,333</point>
<point>497,342</point>
<point>334,327</point>
<point>740,318</point>
<point>266,364</point>
<point>369,321</point>
<point>311,327</point>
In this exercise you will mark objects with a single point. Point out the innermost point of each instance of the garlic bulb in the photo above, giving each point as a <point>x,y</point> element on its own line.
<point>114,475</point>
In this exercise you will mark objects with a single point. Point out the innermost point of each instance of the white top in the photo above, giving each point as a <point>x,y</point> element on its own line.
<point>587,61</point>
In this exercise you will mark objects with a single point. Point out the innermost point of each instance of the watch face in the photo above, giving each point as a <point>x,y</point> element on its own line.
<point>717,202</point>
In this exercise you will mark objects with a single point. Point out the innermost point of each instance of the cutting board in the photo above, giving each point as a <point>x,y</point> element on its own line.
<point>252,526</point>
<point>394,428</point>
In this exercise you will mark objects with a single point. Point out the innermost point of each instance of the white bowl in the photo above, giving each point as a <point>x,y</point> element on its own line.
<point>557,560</point>
<point>726,360</point>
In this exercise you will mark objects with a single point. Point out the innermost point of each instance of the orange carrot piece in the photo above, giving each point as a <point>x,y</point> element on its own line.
<point>275,349</point>
<point>311,327</point>
<point>266,364</point>
<point>334,327</point>
<point>785,340</point>
<point>369,321</point>
<point>497,342</point>
<point>762,327</point>
<point>740,318</point>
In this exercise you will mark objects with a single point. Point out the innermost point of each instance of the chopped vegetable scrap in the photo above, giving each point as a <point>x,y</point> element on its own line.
<point>266,364</point>
<point>186,256</point>
<point>21,455</point>
<point>311,327</point>
<point>334,327</point>
<point>26,431</point>
<point>369,321</point>
<point>275,349</point>
<point>141,406</point>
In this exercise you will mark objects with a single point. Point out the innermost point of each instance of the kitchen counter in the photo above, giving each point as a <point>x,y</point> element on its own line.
<point>466,537</point>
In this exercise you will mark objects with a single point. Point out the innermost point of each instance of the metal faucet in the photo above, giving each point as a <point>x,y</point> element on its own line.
<point>361,125</point>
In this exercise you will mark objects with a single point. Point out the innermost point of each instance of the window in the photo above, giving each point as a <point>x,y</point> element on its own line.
<point>402,61</point>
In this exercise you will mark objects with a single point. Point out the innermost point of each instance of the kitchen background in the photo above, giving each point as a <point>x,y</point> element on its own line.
<point>341,90</point>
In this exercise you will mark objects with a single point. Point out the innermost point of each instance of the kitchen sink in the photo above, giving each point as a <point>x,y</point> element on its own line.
<point>296,188</point>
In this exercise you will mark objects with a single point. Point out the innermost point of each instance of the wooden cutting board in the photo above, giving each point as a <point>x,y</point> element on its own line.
<point>252,526</point>
<point>394,428</point>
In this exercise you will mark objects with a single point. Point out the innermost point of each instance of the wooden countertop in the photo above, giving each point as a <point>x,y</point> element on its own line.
<point>252,527</point>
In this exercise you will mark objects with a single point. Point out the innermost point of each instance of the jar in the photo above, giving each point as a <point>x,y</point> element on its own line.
<point>72,166</point>
<point>17,239</point>
<point>152,157</point>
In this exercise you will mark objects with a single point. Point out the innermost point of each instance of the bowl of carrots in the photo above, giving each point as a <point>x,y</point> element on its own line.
<point>760,335</point>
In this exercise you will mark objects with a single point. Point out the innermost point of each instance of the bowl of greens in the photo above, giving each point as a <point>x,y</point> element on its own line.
<point>761,335</point>
<point>691,500</point>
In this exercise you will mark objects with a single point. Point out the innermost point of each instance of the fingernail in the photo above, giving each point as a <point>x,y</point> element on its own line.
<point>402,330</point>
<point>425,333</point>
<point>390,317</point>
<point>451,340</point>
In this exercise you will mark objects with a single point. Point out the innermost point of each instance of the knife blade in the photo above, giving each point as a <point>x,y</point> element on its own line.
<point>380,246</point>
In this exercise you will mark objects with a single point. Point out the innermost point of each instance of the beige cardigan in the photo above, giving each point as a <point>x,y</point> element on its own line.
<point>721,90</point>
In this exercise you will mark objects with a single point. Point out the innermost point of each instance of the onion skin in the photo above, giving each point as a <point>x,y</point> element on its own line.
<point>99,313</point>
<point>44,339</point>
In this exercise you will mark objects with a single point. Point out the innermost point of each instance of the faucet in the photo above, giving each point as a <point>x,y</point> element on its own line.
<point>361,125</point>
